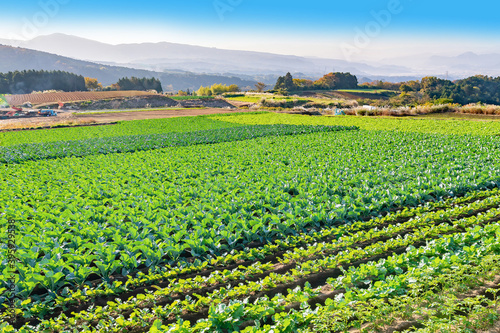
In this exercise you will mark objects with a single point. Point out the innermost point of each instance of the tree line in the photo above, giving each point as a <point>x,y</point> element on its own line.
<point>474,89</point>
<point>133,83</point>
<point>143,84</point>
<point>28,81</point>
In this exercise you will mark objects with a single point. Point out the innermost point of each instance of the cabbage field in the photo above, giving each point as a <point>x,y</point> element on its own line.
<point>252,223</point>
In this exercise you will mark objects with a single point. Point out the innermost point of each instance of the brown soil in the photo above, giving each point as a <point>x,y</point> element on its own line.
<point>239,104</point>
<point>60,125</point>
<point>401,325</point>
<point>62,119</point>
<point>119,116</point>
<point>494,329</point>
<point>37,99</point>
<point>360,95</point>
<point>118,103</point>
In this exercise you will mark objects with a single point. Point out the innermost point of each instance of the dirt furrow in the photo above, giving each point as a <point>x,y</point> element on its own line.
<point>319,280</point>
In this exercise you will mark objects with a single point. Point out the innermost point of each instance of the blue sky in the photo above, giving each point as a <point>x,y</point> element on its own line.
<point>360,29</point>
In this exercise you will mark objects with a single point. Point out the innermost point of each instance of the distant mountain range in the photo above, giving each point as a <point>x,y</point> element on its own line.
<point>181,66</point>
<point>468,62</point>
<point>460,66</point>
<point>170,56</point>
<point>15,58</point>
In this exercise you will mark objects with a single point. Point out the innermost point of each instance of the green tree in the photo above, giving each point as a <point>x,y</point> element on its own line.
<point>285,83</point>
<point>217,89</point>
<point>414,85</point>
<point>143,84</point>
<point>24,82</point>
<point>280,83</point>
<point>204,91</point>
<point>289,85</point>
<point>405,88</point>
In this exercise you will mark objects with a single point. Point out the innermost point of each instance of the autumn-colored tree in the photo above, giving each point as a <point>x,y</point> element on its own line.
<point>381,84</point>
<point>114,86</point>
<point>92,84</point>
<point>303,83</point>
<point>337,81</point>
<point>328,81</point>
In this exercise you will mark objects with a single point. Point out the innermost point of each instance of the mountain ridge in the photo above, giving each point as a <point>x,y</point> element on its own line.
<point>167,56</point>
<point>17,58</point>
<point>184,66</point>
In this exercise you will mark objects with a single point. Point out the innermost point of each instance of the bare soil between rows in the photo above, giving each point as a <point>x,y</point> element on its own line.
<point>315,280</point>
<point>486,289</point>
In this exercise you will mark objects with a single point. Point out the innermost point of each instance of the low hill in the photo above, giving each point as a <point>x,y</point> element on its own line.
<point>15,58</point>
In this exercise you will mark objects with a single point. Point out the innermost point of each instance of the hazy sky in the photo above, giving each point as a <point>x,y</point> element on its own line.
<point>350,30</point>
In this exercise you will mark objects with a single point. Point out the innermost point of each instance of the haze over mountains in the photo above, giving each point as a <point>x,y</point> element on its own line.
<point>161,56</point>
<point>149,59</point>
<point>460,66</point>
<point>15,58</point>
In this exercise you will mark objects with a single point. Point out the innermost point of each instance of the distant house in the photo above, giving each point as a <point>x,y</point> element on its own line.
<point>369,107</point>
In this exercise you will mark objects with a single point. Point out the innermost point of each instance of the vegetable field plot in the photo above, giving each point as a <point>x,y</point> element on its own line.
<point>256,229</point>
<point>122,129</point>
<point>45,98</point>
<point>431,126</point>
